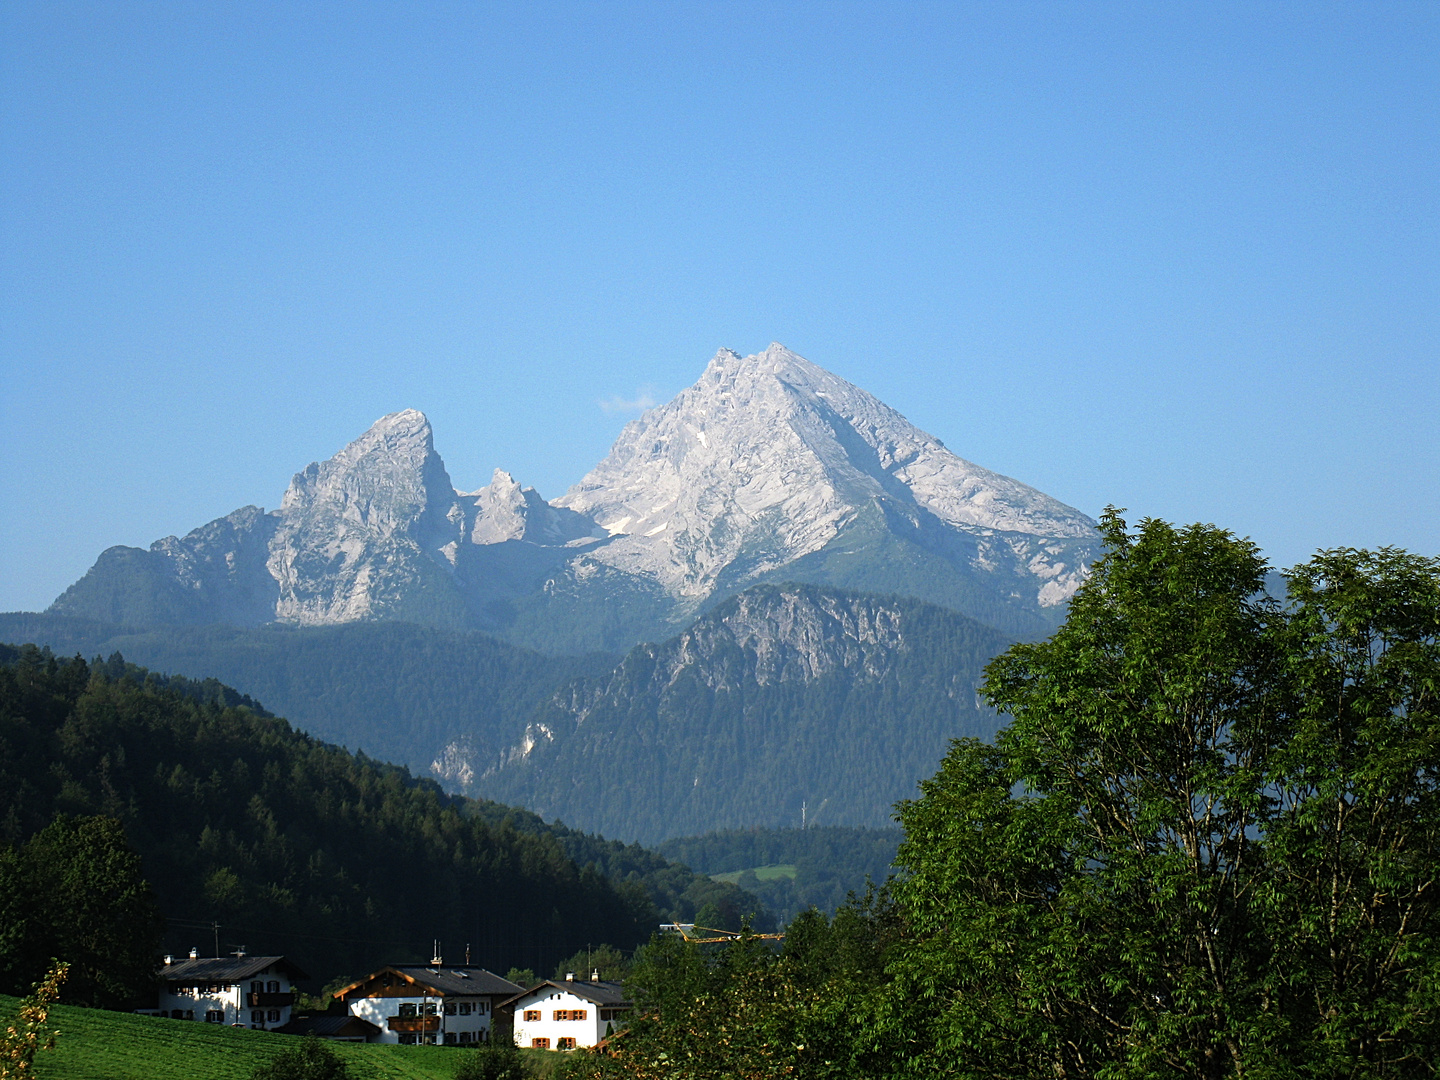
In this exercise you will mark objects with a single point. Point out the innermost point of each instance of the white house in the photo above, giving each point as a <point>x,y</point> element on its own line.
<point>249,991</point>
<point>568,1014</point>
<point>436,1004</point>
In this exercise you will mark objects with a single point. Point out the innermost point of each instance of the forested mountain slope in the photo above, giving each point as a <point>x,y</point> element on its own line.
<point>781,695</point>
<point>298,847</point>
<point>398,691</point>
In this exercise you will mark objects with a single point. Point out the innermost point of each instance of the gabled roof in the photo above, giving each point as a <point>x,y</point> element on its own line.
<point>226,969</point>
<point>444,981</point>
<point>330,1027</point>
<point>608,994</point>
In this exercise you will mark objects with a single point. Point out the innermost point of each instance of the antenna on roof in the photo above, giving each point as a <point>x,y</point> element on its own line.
<point>467,954</point>
<point>239,951</point>
<point>435,958</point>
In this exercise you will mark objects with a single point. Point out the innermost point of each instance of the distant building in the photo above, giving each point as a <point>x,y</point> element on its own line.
<point>436,1004</point>
<point>249,991</point>
<point>567,1014</point>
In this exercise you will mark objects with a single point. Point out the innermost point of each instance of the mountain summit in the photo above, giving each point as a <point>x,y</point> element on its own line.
<point>768,469</point>
<point>769,458</point>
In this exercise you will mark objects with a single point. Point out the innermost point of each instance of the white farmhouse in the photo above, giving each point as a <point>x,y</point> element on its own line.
<point>437,1004</point>
<point>248,991</point>
<point>568,1014</point>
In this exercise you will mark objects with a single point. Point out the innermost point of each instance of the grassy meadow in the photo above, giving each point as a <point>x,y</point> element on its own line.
<point>99,1045</point>
<point>762,873</point>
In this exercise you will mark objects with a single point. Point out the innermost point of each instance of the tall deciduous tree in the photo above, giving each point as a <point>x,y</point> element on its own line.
<point>80,895</point>
<point>1205,846</point>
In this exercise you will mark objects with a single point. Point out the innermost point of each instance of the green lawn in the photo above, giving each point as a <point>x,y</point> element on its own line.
<point>99,1045</point>
<point>764,873</point>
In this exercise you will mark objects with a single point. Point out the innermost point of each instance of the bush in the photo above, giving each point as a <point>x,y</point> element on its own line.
<point>494,1060</point>
<point>311,1060</point>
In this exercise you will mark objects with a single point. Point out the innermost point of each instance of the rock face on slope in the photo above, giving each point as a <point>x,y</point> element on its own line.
<point>769,458</point>
<point>768,469</point>
<point>778,696</point>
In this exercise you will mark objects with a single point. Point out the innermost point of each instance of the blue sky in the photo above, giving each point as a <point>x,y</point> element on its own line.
<point>1176,257</point>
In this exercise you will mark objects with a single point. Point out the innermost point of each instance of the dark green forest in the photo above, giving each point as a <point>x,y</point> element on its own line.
<point>298,847</point>
<point>397,691</point>
<point>830,862</point>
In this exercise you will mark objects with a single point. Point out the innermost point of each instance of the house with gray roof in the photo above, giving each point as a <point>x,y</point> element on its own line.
<point>240,990</point>
<point>438,1003</point>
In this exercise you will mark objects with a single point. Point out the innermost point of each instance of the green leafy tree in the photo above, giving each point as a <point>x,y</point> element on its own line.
<point>1354,844</point>
<point>744,1009</point>
<point>31,1032</point>
<point>79,894</point>
<point>310,1060</point>
<point>1204,846</point>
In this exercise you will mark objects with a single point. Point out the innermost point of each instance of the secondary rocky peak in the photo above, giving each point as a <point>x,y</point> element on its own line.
<point>503,511</point>
<point>364,516</point>
<point>390,468</point>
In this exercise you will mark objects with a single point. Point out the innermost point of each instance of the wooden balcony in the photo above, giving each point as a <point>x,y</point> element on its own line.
<point>414,1024</point>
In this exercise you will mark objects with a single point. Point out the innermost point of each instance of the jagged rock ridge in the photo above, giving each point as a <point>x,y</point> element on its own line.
<point>769,468</point>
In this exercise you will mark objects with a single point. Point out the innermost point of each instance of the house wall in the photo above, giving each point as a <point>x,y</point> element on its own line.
<point>379,1010</point>
<point>230,1000</point>
<point>585,1032</point>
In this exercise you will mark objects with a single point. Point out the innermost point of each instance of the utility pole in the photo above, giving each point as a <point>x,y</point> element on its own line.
<point>216,927</point>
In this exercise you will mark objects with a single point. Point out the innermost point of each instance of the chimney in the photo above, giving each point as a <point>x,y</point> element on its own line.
<point>194,953</point>
<point>595,975</point>
<point>169,959</point>
<point>569,976</point>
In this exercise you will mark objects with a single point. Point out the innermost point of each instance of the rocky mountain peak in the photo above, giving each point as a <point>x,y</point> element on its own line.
<point>361,516</point>
<point>769,458</point>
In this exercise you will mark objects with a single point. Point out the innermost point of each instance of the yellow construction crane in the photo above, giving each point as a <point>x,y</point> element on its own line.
<point>692,933</point>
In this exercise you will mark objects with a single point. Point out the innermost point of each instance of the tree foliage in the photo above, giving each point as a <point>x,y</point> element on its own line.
<point>747,1009</point>
<point>31,1032</point>
<point>1205,846</point>
<point>76,891</point>
<point>497,1059</point>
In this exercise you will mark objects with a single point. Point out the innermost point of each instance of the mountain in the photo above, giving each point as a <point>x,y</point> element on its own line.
<point>768,469</point>
<point>769,459</point>
<point>778,696</point>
